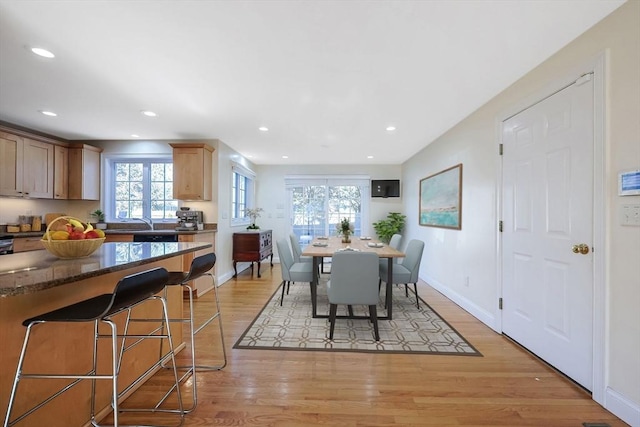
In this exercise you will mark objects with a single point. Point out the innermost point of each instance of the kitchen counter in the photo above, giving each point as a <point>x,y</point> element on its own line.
<point>132,229</point>
<point>37,282</point>
<point>34,271</point>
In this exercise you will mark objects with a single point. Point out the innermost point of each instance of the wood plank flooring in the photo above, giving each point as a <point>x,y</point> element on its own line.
<point>506,387</point>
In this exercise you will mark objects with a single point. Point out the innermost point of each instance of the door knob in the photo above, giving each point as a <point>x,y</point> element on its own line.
<point>582,248</point>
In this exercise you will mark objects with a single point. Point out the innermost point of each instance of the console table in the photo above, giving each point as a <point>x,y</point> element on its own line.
<point>252,246</point>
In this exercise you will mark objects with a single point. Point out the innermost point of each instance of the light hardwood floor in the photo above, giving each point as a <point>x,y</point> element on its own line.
<point>505,387</point>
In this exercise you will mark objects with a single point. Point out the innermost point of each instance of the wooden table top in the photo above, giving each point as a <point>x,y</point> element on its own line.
<point>334,243</point>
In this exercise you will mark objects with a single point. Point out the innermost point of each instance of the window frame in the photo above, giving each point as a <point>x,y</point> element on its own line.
<point>361,181</point>
<point>249,195</point>
<point>109,184</point>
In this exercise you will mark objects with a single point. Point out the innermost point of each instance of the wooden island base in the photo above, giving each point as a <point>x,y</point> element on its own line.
<point>67,348</point>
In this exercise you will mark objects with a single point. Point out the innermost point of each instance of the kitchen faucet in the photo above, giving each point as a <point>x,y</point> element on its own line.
<point>147,221</point>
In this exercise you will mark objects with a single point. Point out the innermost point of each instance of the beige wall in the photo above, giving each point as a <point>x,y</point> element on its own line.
<point>451,256</point>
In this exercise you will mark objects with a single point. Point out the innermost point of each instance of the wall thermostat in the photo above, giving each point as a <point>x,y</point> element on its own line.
<point>629,183</point>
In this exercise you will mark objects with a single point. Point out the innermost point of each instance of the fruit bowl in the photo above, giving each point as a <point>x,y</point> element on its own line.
<point>56,243</point>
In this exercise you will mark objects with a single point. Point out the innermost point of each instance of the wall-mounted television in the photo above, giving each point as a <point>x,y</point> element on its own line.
<point>385,188</point>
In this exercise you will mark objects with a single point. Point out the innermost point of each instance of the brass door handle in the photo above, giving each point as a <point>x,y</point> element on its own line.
<point>582,248</point>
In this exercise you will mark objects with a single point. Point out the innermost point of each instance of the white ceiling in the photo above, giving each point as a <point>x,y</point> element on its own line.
<point>326,77</point>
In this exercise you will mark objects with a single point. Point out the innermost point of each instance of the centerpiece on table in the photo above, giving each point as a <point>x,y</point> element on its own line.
<point>345,229</point>
<point>253,213</point>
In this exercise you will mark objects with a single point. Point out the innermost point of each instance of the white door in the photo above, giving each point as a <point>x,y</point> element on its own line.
<point>547,210</point>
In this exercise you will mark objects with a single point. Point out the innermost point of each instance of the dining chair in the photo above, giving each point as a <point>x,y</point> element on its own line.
<point>297,251</point>
<point>292,271</point>
<point>353,282</point>
<point>394,243</point>
<point>406,271</point>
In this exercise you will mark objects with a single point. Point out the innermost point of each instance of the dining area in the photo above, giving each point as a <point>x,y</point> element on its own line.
<point>358,268</point>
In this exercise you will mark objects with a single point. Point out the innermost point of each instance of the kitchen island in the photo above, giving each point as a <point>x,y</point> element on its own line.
<point>36,282</point>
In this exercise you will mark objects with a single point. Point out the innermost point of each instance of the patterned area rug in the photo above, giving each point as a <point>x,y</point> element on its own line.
<point>412,330</point>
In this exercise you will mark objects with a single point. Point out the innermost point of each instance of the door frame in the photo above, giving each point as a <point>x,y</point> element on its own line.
<point>600,292</point>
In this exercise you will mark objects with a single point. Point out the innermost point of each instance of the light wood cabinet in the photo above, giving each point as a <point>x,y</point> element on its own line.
<point>26,167</point>
<point>118,238</point>
<point>84,172</point>
<point>11,164</point>
<point>204,283</point>
<point>192,169</point>
<point>23,244</point>
<point>60,172</point>
<point>38,169</point>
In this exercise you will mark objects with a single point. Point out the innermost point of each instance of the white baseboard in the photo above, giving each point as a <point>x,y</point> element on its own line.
<point>478,312</point>
<point>228,275</point>
<point>621,407</point>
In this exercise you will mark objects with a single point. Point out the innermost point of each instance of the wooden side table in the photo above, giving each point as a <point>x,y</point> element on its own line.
<point>252,246</point>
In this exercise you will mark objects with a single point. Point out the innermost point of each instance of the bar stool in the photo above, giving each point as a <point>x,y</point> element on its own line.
<point>130,292</point>
<point>200,266</point>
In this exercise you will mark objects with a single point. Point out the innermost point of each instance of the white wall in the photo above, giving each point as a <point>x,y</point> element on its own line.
<point>451,255</point>
<point>224,239</point>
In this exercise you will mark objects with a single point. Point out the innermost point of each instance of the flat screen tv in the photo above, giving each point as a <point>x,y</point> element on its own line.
<point>385,188</point>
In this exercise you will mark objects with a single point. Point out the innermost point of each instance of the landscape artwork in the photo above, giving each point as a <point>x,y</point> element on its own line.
<point>441,199</point>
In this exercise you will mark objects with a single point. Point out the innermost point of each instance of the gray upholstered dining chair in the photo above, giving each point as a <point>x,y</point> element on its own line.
<point>406,271</point>
<point>297,252</point>
<point>394,243</point>
<point>292,271</point>
<point>353,282</point>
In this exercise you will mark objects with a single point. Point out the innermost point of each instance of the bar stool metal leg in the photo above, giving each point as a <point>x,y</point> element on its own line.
<point>201,266</point>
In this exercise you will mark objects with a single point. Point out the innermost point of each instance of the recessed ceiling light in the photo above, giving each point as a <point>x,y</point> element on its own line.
<point>249,156</point>
<point>42,52</point>
<point>391,128</point>
<point>148,113</point>
<point>285,157</point>
<point>48,113</point>
<point>369,157</point>
<point>133,135</point>
<point>263,129</point>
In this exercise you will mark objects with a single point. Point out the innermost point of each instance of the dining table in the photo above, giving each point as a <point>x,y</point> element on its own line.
<point>324,247</point>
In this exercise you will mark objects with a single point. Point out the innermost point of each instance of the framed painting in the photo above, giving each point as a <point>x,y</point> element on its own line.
<point>441,199</point>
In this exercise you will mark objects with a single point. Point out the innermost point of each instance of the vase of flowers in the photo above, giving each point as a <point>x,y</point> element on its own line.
<point>253,213</point>
<point>345,229</point>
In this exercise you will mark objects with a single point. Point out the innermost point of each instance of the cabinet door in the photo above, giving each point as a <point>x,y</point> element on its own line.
<point>10,164</point>
<point>192,168</point>
<point>24,244</point>
<point>38,169</point>
<point>84,173</point>
<point>60,172</point>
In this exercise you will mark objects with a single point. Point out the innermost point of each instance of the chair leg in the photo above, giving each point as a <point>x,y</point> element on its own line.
<point>288,286</point>
<point>415,289</point>
<point>284,285</point>
<point>406,290</point>
<point>350,310</point>
<point>333,308</point>
<point>16,380</point>
<point>373,314</point>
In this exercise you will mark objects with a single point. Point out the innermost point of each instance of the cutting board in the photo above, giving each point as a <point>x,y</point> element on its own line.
<point>51,216</point>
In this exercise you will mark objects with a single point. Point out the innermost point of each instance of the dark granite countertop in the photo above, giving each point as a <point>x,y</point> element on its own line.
<point>161,232</point>
<point>30,272</point>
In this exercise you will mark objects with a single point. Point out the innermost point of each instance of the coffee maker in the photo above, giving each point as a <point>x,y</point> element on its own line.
<point>188,220</point>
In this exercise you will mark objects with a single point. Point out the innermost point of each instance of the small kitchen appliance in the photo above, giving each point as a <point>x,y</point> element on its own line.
<point>188,220</point>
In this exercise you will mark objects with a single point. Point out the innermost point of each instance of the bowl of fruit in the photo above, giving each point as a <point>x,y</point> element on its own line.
<point>67,237</point>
